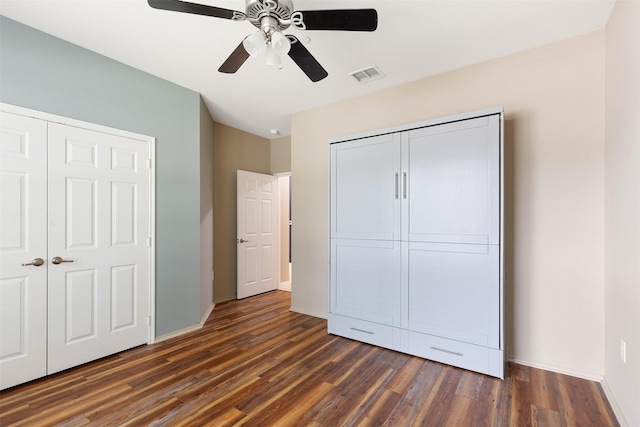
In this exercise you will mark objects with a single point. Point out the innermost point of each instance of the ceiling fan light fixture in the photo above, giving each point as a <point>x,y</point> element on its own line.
<point>254,43</point>
<point>271,17</point>
<point>280,43</point>
<point>271,57</point>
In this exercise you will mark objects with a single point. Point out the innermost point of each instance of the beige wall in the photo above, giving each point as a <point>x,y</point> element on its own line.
<point>206,210</point>
<point>553,98</point>
<point>622,211</point>
<point>281,155</point>
<point>233,150</point>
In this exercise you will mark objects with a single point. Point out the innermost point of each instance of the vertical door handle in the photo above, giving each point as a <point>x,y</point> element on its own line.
<point>397,182</point>
<point>404,185</point>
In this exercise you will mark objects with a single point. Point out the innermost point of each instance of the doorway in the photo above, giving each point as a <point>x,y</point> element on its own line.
<point>263,242</point>
<point>285,224</point>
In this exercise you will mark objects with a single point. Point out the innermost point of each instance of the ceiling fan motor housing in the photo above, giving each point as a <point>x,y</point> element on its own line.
<point>281,10</point>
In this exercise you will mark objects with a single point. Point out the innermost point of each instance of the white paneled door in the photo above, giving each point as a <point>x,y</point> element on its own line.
<point>23,240</point>
<point>83,207</point>
<point>257,242</point>
<point>99,222</point>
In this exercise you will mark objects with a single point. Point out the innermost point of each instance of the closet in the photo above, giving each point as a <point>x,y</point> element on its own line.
<point>75,243</point>
<point>416,239</point>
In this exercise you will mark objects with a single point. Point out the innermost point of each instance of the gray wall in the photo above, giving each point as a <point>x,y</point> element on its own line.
<point>206,209</point>
<point>44,73</point>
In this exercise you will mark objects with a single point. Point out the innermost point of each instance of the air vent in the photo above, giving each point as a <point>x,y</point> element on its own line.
<point>367,74</point>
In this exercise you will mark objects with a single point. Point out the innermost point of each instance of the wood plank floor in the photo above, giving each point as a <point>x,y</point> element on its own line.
<point>255,363</point>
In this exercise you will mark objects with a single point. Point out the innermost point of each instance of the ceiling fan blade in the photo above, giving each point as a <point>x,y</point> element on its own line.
<point>307,63</point>
<point>198,9</point>
<point>341,19</point>
<point>235,60</point>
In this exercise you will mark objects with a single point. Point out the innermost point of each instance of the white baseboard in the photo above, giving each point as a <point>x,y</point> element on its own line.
<point>587,375</point>
<point>188,329</point>
<point>313,313</point>
<point>207,314</point>
<point>617,410</point>
<point>178,333</point>
<point>285,286</point>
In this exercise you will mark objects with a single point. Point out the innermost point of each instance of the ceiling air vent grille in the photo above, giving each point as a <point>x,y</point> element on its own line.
<point>367,74</point>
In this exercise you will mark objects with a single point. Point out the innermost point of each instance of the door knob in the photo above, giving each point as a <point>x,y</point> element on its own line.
<point>36,262</point>
<point>58,260</point>
<point>242,241</point>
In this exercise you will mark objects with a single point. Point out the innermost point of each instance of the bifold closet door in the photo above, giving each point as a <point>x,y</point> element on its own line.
<point>23,240</point>
<point>74,246</point>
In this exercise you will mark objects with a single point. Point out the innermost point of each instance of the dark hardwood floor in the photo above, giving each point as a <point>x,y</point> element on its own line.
<point>255,363</point>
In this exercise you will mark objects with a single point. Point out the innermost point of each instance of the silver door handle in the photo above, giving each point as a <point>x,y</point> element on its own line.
<point>242,241</point>
<point>58,260</point>
<point>404,185</point>
<point>396,185</point>
<point>37,262</point>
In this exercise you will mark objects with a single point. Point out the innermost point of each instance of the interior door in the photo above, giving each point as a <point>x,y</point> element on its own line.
<point>23,240</point>
<point>257,242</point>
<point>99,249</point>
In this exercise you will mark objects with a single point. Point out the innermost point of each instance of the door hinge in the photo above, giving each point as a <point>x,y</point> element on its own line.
<point>148,320</point>
<point>148,242</point>
<point>149,163</point>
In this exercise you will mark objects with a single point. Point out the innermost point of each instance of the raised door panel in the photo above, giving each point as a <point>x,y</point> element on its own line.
<point>99,221</point>
<point>365,280</point>
<point>453,182</point>
<point>23,238</point>
<point>454,291</point>
<point>365,188</point>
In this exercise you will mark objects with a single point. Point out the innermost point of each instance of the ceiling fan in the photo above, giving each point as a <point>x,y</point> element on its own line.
<point>271,17</point>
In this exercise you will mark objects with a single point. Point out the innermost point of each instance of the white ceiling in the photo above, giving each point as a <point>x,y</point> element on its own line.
<point>414,39</point>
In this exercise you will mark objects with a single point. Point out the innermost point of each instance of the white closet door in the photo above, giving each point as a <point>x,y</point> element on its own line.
<point>365,280</point>
<point>23,239</point>
<point>99,222</point>
<point>454,291</point>
<point>453,182</point>
<point>365,188</point>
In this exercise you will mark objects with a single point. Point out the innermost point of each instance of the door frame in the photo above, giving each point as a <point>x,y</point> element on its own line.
<point>41,115</point>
